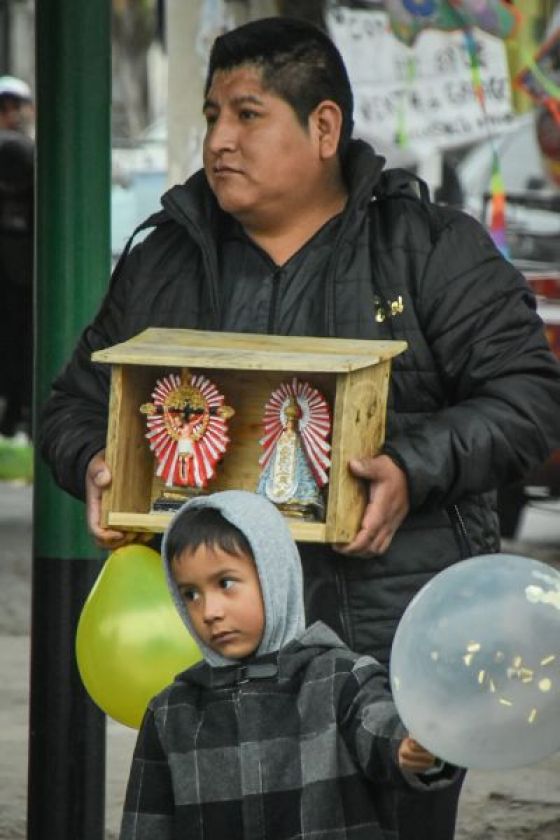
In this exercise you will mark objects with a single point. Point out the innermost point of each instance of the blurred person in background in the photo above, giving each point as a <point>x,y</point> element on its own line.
<point>16,105</point>
<point>548,139</point>
<point>16,256</point>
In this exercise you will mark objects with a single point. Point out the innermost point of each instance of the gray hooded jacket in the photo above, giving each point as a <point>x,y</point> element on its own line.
<point>277,561</point>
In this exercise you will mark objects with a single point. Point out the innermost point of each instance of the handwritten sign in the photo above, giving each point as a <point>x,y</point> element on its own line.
<point>427,88</point>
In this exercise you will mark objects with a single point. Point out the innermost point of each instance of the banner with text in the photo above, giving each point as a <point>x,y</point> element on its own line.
<point>425,92</point>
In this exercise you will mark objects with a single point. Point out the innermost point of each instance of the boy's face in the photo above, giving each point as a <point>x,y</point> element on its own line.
<point>222,593</point>
<point>260,162</point>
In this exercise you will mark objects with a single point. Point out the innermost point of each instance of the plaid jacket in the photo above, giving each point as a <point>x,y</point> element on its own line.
<point>299,744</point>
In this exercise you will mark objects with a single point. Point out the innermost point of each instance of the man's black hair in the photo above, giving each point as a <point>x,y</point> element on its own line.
<point>205,526</point>
<point>298,62</point>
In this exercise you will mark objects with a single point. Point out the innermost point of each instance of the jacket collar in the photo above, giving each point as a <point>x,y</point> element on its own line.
<point>284,663</point>
<point>254,668</point>
<point>362,168</point>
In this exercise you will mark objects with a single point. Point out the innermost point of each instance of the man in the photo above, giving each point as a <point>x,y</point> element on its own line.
<point>16,104</point>
<point>294,229</point>
<point>16,255</point>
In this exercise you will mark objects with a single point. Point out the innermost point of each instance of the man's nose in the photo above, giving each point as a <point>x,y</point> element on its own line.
<point>221,136</point>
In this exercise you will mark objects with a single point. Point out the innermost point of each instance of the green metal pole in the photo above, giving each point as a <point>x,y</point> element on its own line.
<point>67,732</point>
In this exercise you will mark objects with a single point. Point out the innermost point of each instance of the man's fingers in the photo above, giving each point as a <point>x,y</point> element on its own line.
<point>362,467</point>
<point>101,477</point>
<point>386,509</point>
<point>367,543</point>
<point>360,544</point>
<point>374,537</point>
<point>98,476</point>
<point>107,544</point>
<point>349,548</point>
<point>105,537</point>
<point>375,534</point>
<point>111,540</point>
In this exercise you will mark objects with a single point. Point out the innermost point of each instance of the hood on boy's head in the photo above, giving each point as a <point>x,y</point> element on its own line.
<point>276,558</point>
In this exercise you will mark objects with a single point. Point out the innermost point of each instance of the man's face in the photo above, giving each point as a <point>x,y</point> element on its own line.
<point>13,113</point>
<point>260,162</point>
<point>222,593</point>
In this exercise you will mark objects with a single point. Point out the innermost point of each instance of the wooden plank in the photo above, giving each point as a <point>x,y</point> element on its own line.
<point>157,523</point>
<point>246,351</point>
<point>358,431</point>
<point>127,454</point>
<point>108,500</point>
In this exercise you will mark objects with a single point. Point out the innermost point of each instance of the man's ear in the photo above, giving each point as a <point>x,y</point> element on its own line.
<point>327,123</point>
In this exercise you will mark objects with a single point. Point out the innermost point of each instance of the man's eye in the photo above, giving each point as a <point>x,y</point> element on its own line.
<point>210,118</point>
<point>248,115</point>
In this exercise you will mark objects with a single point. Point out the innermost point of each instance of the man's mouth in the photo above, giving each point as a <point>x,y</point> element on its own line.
<point>225,170</point>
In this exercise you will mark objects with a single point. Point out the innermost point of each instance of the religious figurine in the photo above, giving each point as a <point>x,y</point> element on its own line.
<point>296,458</point>
<point>187,430</point>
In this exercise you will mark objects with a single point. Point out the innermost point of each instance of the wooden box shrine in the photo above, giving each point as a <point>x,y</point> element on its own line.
<point>353,376</point>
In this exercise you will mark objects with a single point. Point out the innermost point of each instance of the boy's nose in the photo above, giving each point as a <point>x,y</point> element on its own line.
<point>213,608</point>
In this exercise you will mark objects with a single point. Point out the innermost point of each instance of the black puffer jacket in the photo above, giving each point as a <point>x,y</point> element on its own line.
<point>475,400</point>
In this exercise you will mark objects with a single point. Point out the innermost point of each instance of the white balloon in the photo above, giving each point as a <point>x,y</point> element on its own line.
<point>475,663</point>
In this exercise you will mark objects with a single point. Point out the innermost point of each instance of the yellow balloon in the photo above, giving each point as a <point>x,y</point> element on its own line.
<point>130,641</point>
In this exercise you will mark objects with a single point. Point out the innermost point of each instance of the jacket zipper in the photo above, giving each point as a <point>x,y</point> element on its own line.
<point>255,831</point>
<point>208,258</point>
<point>344,609</point>
<point>461,532</point>
<point>276,278</point>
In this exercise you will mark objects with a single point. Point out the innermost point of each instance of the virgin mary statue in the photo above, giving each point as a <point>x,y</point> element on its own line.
<point>295,460</point>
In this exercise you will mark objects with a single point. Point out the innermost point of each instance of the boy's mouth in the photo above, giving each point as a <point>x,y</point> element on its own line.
<point>223,637</point>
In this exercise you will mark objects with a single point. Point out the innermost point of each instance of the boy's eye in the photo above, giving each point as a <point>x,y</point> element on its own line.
<point>226,583</point>
<point>189,595</point>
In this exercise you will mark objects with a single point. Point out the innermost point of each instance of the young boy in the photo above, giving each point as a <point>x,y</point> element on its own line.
<point>281,732</point>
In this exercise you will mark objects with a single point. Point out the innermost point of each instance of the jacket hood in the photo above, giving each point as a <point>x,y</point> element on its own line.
<point>277,561</point>
<point>362,168</point>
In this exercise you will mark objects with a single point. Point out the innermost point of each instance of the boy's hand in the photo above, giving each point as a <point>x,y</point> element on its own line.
<point>413,756</point>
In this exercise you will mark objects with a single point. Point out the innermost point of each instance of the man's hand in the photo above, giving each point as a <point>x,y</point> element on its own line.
<point>387,506</point>
<point>413,756</point>
<point>98,478</point>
